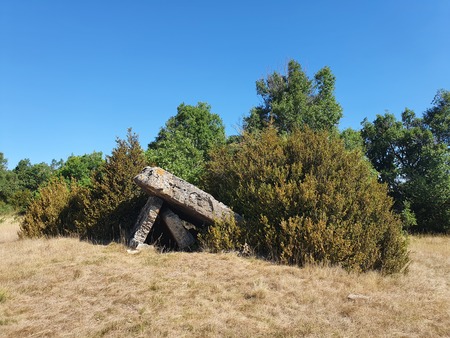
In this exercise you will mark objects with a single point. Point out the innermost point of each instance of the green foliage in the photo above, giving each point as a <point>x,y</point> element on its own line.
<point>407,216</point>
<point>110,207</point>
<point>31,176</point>
<point>428,188</point>
<point>293,100</point>
<point>8,184</point>
<point>19,186</point>
<point>81,168</point>
<point>352,139</point>
<point>304,198</point>
<point>225,235</point>
<point>182,146</point>
<point>104,210</point>
<point>437,118</point>
<point>49,214</point>
<point>3,162</point>
<point>21,199</point>
<point>413,158</point>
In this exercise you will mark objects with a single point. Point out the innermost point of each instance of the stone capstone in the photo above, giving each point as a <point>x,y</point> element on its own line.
<point>172,200</point>
<point>186,196</point>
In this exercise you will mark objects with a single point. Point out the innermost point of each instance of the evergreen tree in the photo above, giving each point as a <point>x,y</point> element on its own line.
<point>293,100</point>
<point>111,206</point>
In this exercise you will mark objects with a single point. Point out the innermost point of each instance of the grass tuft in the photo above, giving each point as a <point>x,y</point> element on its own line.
<point>3,296</point>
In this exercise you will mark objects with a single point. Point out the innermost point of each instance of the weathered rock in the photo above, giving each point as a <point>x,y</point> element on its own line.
<point>145,221</point>
<point>355,297</point>
<point>177,228</point>
<point>185,196</point>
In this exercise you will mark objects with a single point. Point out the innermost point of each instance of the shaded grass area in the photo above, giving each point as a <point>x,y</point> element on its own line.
<point>64,287</point>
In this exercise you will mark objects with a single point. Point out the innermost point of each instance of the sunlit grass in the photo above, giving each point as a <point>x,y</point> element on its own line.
<point>50,287</point>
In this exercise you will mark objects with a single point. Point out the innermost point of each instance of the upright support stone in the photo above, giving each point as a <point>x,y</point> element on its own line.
<point>176,226</point>
<point>183,195</point>
<point>145,221</point>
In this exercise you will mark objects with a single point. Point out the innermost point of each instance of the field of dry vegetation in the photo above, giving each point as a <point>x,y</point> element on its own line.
<point>64,287</point>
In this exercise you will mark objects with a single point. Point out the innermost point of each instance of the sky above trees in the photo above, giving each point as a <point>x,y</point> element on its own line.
<point>75,75</point>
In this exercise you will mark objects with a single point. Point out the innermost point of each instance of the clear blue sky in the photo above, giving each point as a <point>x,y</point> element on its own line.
<point>74,75</point>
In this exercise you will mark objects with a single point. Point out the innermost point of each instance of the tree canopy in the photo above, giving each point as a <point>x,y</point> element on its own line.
<point>413,158</point>
<point>437,118</point>
<point>182,146</point>
<point>293,100</point>
<point>81,168</point>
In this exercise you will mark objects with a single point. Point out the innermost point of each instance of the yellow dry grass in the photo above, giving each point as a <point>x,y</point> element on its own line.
<point>8,228</point>
<point>66,288</point>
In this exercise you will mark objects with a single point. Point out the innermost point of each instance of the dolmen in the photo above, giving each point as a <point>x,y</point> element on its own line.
<point>180,207</point>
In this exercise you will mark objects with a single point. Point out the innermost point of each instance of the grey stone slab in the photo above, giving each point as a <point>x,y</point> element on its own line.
<point>145,221</point>
<point>177,228</point>
<point>185,196</point>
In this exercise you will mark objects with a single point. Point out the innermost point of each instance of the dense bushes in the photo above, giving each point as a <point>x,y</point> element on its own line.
<point>113,203</point>
<point>51,213</point>
<point>106,210</point>
<point>304,199</point>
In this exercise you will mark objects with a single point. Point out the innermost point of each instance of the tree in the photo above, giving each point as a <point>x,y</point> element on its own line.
<point>9,184</point>
<point>427,187</point>
<point>3,162</point>
<point>31,176</point>
<point>182,146</point>
<point>381,140</point>
<point>412,157</point>
<point>352,139</point>
<point>437,118</point>
<point>111,206</point>
<point>294,100</point>
<point>81,168</point>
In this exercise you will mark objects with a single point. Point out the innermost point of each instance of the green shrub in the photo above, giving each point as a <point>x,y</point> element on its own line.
<point>305,198</point>
<point>52,211</point>
<point>104,211</point>
<point>21,199</point>
<point>223,236</point>
<point>111,206</point>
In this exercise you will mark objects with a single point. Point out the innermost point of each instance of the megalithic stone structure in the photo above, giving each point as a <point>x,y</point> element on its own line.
<point>176,226</point>
<point>183,195</point>
<point>145,221</point>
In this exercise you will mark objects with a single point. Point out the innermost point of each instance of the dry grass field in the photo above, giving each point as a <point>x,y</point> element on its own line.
<point>66,288</point>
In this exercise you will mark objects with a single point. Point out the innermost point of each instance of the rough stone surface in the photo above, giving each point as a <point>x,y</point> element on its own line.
<point>145,221</point>
<point>185,196</point>
<point>356,297</point>
<point>177,228</point>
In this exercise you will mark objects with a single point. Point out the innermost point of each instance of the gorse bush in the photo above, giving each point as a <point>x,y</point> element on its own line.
<point>305,198</point>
